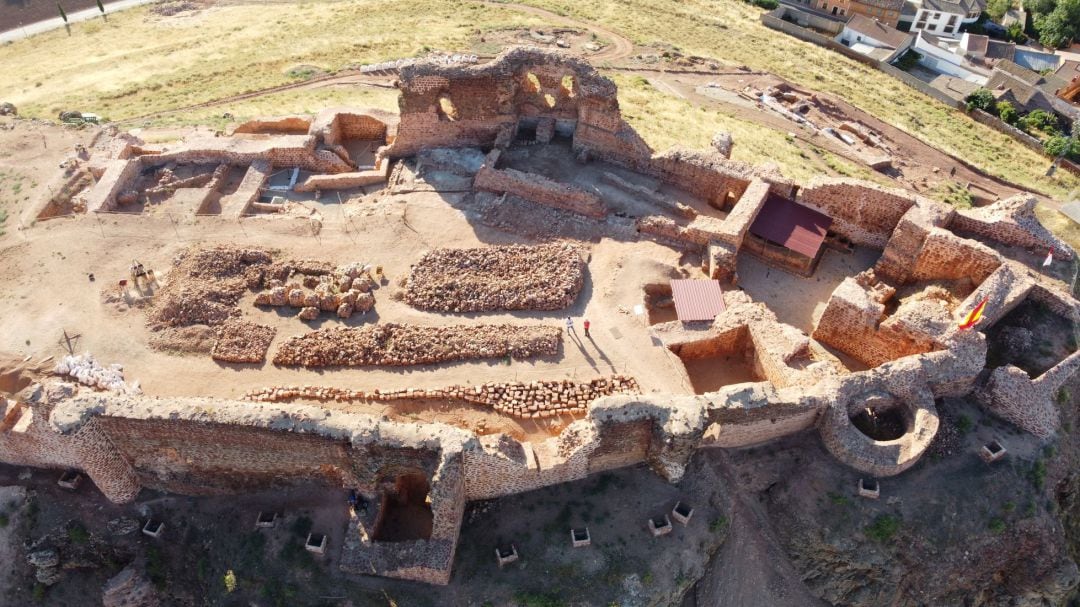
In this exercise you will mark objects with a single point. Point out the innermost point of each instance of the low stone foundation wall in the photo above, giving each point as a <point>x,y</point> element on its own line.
<point>539,189</point>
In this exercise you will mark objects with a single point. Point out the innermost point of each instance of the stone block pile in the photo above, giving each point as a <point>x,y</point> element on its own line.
<point>314,288</point>
<point>537,399</point>
<point>205,285</point>
<point>240,341</point>
<point>404,345</point>
<point>547,277</point>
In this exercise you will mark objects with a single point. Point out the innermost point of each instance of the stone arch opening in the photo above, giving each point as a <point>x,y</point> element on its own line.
<point>531,83</point>
<point>446,108</point>
<point>405,510</point>
<point>567,86</point>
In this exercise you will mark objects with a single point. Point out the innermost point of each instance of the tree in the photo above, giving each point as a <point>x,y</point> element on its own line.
<point>1007,112</point>
<point>1058,28</point>
<point>1040,7</point>
<point>981,99</point>
<point>1040,121</point>
<point>1015,32</point>
<point>1061,145</point>
<point>996,9</point>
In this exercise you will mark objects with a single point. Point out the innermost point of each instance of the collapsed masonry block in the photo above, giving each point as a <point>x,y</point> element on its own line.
<point>659,525</point>
<point>153,528</point>
<point>580,537</point>
<point>869,488</point>
<point>682,513</point>
<point>316,543</point>
<point>266,519</point>
<point>70,480</point>
<point>992,451</point>
<point>506,556</point>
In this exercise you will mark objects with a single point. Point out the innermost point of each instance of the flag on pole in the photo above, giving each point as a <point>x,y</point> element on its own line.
<point>1049,258</point>
<point>975,315</point>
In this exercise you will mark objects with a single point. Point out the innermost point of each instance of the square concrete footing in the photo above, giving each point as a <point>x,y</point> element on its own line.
<point>506,556</point>
<point>869,488</point>
<point>316,543</point>
<point>580,537</point>
<point>992,451</point>
<point>70,480</point>
<point>153,528</point>
<point>266,519</point>
<point>682,513</point>
<point>659,525</point>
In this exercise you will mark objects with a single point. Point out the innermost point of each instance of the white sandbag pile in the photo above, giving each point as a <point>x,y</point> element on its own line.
<point>87,371</point>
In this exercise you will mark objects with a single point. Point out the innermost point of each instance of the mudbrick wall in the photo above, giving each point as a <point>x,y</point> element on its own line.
<point>539,189</point>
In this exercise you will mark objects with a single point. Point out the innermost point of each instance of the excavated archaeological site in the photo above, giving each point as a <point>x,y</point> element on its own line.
<point>446,360</point>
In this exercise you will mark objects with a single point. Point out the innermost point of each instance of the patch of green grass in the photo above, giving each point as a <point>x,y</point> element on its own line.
<point>538,599</point>
<point>38,593</point>
<point>77,533</point>
<point>4,520</point>
<point>884,528</point>
<point>718,524</point>
<point>1009,506</point>
<point>156,568</point>
<point>838,499</point>
<point>1038,473</point>
<point>963,424</point>
<point>996,525</point>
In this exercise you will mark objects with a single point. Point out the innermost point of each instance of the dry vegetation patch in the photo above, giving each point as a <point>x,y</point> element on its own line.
<point>403,345</point>
<point>547,277</point>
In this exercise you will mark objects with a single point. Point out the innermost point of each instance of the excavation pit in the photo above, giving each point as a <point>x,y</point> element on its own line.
<point>405,513</point>
<point>682,513</point>
<point>659,525</point>
<point>580,538</point>
<point>266,519</point>
<point>869,488</point>
<point>70,480</point>
<point>153,528</point>
<point>992,451</point>
<point>505,556</point>
<point>316,543</point>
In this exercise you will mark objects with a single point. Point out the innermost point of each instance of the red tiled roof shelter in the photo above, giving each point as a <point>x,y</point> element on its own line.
<point>697,299</point>
<point>796,227</point>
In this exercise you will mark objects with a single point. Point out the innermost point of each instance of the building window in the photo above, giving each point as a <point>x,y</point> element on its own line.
<point>952,20</point>
<point>949,29</point>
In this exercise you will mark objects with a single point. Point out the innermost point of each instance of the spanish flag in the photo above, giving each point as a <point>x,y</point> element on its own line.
<point>974,316</point>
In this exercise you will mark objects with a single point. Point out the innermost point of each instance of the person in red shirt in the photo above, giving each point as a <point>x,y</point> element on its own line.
<point>586,327</point>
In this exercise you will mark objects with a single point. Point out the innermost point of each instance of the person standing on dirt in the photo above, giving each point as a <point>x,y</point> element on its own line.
<point>586,324</point>
<point>569,325</point>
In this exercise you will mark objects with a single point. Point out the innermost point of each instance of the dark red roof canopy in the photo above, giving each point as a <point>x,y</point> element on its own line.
<point>789,223</point>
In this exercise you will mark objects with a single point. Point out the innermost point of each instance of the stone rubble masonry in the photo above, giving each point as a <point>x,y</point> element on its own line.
<point>650,195</point>
<point>745,211</point>
<point>854,322</point>
<point>906,242</point>
<point>276,125</point>
<point>1012,222</point>
<point>404,345</point>
<point>508,277</point>
<point>1028,403</point>
<point>273,143</point>
<point>129,588</point>
<point>863,212</point>
<point>946,256</point>
<point>539,189</point>
<point>1004,289</point>
<point>696,235</point>
<point>251,186</point>
<point>534,400</point>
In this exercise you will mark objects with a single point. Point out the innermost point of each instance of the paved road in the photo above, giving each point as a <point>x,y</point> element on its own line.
<point>56,23</point>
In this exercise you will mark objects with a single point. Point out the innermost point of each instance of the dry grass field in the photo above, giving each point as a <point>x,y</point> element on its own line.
<point>140,62</point>
<point>730,31</point>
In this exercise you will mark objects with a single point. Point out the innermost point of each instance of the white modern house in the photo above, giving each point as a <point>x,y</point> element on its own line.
<point>945,56</point>
<point>941,17</point>
<point>874,38</point>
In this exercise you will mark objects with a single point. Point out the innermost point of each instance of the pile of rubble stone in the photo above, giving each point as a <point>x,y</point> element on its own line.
<point>240,341</point>
<point>314,289</point>
<point>403,345</point>
<point>546,277</point>
<point>205,285</point>
<point>538,399</point>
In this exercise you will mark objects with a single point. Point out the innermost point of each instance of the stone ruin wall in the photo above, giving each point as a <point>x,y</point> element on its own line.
<point>945,255</point>
<point>863,212</point>
<point>1012,222</point>
<point>538,189</point>
<point>898,259</point>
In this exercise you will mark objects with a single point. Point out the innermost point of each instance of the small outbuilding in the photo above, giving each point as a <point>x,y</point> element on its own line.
<point>788,234</point>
